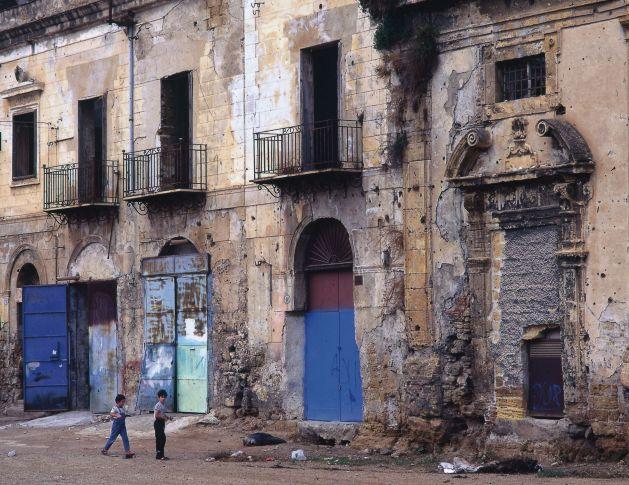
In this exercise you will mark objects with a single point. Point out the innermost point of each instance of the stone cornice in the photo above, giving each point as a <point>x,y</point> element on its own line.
<point>35,25</point>
<point>22,88</point>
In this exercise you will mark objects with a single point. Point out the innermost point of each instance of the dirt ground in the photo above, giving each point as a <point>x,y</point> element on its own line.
<point>70,454</point>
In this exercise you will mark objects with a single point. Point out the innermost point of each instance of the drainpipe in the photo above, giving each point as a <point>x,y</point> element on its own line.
<point>131,34</point>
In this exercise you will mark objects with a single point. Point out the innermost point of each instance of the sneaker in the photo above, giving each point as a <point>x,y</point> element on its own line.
<point>128,455</point>
<point>164,458</point>
<point>104,452</point>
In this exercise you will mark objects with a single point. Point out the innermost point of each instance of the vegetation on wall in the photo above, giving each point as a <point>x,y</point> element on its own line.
<point>408,41</point>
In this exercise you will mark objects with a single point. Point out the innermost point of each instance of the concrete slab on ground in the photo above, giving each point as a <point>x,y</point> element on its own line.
<point>330,430</point>
<point>141,426</point>
<point>61,420</point>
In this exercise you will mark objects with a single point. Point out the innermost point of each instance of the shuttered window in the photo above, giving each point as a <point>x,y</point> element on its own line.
<point>545,378</point>
<point>24,145</point>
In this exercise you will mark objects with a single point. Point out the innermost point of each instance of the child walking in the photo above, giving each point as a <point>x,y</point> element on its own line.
<point>118,427</point>
<point>159,413</point>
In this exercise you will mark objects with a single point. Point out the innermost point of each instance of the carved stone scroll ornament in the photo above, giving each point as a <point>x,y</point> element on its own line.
<point>467,152</point>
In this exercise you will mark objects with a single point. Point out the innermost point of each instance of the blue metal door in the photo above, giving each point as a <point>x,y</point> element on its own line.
<point>332,381</point>
<point>45,326</point>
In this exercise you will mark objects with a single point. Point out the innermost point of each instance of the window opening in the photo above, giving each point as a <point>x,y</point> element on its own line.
<point>521,78</point>
<point>24,145</point>
<point>174,132</point>
<point>92,149</point>
<point>546,377</point>
<point>320,81</point>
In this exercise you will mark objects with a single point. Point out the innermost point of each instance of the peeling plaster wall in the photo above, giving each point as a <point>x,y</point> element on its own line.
<point>596,105</point>
<point>427,358</point>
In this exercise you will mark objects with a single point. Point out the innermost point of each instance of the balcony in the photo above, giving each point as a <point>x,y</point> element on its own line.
<point>74,187</point>
<point>330,149</point>
<point>165,171</point>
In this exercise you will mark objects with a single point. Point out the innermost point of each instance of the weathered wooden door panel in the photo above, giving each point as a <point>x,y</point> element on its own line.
<point>321,382</point>
<point>45,327</point>
<point>102,342</point>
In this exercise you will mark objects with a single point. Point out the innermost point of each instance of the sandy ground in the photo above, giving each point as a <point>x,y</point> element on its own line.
<point>66,450</point>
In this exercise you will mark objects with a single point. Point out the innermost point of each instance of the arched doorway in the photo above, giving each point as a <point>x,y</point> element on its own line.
<point>27,276</point>
<point>332,382</point>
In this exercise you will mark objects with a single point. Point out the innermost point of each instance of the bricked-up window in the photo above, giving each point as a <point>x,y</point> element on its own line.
<point>24,145</point>
<point>521,78</point>
<point>546,377</point>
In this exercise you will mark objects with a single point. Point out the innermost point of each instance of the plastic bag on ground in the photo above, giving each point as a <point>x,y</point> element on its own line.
<point>298,455</point>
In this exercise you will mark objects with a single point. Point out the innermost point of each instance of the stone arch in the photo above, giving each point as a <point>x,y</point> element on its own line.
<point>22,255</point>
<point>178,246</point>
<point>26,267</point>
<point>90,261</point>
<point>297,253</point>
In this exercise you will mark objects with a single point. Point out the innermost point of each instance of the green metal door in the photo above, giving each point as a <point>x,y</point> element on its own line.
<point>192,348</point>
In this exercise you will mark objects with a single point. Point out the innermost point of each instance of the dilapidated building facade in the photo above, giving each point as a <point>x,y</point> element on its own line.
<point>247,205</point>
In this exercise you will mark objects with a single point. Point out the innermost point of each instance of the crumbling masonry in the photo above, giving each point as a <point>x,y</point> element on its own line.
<point>213,232</point>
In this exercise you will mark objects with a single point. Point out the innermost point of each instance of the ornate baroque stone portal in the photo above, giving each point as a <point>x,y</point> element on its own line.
<point>525,256</point>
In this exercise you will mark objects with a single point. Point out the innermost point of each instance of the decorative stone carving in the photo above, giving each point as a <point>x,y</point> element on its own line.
<point>520,153</point>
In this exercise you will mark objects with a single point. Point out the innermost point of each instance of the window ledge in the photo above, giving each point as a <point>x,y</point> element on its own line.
<point>24,182</point>
<point>521,107</point>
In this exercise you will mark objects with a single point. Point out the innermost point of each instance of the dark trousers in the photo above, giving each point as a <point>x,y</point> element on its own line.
<point>160,437</point>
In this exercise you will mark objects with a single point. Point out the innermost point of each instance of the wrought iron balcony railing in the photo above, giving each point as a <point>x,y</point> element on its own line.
<point>165,169</point>
<point>76,185</point>
<point>307,148</point>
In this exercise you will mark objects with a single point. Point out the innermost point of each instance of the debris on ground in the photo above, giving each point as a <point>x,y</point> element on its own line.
<point>298,455</point>
<point>209,419</point>
<point>237,454</point>
<point>11,453</point>
<point>458,465</point>
<point>509,466</point>
<point>262,439</point>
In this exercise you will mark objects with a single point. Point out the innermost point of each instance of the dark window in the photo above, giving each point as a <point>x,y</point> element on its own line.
<point>521,78</point>
<point>175,130</point>
<point>92,149</point>
<point>546,377</point>
<point>24,145</point>
<point>320,81</point>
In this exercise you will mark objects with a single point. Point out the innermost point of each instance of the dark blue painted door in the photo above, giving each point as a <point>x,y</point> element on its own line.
<point>322,366</point>
<point>332,382</point>
<point>45,325</point>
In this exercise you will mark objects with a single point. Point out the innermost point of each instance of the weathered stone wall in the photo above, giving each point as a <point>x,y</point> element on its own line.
<point>439,317</point>
<point>462,98</point>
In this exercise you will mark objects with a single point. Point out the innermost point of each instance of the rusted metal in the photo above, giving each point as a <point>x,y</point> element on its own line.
<point>102,342</point>
<point>176,331</point>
